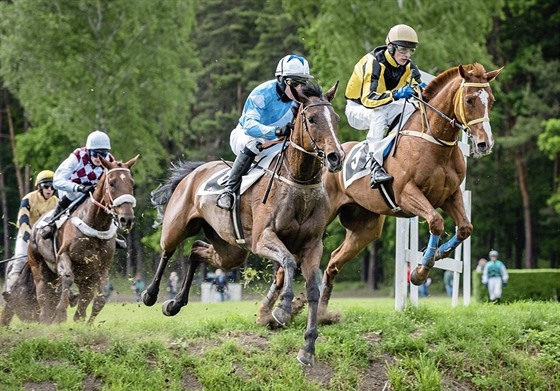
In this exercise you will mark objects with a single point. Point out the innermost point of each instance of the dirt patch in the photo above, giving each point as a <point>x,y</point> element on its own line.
<point>375,376</point>
<point>190,381</point>
<point>319,372</point>
<point>251,341</point>
<point>42,386</point>
<point>92,383</point>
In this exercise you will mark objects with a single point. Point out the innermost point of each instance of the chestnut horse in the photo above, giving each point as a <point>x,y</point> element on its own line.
<point>428,168</point>
<point>84,246</point>
<point>288,228</point>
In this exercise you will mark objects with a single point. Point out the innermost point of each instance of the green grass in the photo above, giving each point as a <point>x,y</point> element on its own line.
<point>218,346</point>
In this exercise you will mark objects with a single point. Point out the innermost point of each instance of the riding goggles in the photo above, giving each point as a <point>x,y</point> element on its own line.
<point>99,152</point>
<point>46,185</point>
<point>404,50</point>
<point>295,81</point>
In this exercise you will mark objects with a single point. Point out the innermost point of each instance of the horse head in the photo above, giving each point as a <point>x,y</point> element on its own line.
<point>472,104</point>
<point>117,191</point>
<point>316,125</point>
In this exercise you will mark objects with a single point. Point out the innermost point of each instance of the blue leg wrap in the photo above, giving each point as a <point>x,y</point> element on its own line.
<point>448,246</point>
<point>428,257</point>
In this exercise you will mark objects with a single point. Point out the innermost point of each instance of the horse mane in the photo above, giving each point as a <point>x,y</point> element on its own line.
<point>312,88</point>
<point>437,84</point>
<point>160,196</point>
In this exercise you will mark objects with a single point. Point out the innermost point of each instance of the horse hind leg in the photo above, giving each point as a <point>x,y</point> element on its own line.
<point>173,306</point>
<point>66,276</point>
<point>150,294</point>
<point>97,305</point>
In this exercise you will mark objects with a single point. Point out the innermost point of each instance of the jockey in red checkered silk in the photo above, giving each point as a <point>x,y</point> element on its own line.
<point>79,174</point>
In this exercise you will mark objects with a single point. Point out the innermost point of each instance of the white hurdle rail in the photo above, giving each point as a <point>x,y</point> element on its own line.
<point>407,255</point>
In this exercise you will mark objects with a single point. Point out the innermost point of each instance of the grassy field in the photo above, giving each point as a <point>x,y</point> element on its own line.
<point>219,347</point>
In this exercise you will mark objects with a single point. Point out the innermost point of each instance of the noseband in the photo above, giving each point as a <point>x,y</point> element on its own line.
<point>113,203</point>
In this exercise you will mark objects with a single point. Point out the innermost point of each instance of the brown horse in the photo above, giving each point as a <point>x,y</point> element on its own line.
<point>288,228</point>
<point>428,168</point>
<point>83,248</point>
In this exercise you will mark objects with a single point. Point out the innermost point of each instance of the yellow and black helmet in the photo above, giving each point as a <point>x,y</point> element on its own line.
<point>44,176</point>
<point>402,35</point>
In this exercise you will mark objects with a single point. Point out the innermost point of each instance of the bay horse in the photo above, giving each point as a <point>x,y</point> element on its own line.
<point>83,248</point>
<point>286,229</point>
<point>427,166</point>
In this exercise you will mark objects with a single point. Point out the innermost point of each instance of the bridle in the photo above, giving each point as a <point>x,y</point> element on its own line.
<point>109,205</point>
<point>459,110</point>
<point>318,153</point>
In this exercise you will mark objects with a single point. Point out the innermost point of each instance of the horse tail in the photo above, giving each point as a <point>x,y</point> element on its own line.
<point>160,196</point>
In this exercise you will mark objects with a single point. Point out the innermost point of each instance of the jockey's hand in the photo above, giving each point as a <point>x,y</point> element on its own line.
<point>284,130</point>
<point>422,85</point>
<point>85,189</point>
<point>404,92</point>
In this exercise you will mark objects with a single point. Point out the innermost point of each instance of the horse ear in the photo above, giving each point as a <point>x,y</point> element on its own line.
<point>462,71</point>
<point>332,92</point>
<point>493,74</point>
<point>104,162</point>
<point>132,161</point>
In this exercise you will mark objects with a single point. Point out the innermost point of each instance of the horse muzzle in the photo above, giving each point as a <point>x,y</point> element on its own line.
<point>334,161</point>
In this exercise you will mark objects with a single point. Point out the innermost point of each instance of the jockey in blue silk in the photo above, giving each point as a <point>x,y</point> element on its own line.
<point>79,174</point>
<point>378,91</point>
<point>268,114</point>
<point>32,207</point>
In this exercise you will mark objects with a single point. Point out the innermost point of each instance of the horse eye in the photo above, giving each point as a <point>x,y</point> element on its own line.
<point>469,100</point>
<point>311,120</point>
<point>111,183</point>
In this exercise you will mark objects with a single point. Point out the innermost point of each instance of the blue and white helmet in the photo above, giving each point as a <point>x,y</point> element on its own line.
<point>293,66</point>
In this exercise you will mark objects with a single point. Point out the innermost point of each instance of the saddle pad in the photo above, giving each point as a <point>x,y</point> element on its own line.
<point>216,182</point>
<point>357,164</point>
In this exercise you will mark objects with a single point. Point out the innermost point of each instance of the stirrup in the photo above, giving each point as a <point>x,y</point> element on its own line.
<point>225,200</point>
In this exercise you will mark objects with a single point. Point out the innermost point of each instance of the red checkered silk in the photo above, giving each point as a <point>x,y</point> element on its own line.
<point>87,174</point>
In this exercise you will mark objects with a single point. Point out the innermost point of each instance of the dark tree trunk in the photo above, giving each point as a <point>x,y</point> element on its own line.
<point>521,172</point>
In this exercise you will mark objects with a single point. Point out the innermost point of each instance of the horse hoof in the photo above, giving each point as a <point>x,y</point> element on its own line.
<point>419,275</point>
<point>148,299</point>
<point>280,316</point>
<point>169,308</point>
<point>305,358</point>
<point>328,318</point>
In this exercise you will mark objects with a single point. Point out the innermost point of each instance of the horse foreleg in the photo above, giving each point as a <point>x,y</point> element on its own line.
<point>455,207</point>
<point>265,311</point>
<point>150,294</point>
<point>311,273</point>
<point>270,247</point>
<point>96,307</point>
<point>66,275</point>
<point>197,256</point>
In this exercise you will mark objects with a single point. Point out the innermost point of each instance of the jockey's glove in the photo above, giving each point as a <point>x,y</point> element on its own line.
<point>404,92</point>
<point>422,85</point>
<point>85,189</point>
<point>285,130</point>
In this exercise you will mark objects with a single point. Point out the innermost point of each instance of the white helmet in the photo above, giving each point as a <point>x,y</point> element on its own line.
<point>98,140</point>
<point>293,65</point>
<point>493,253</point>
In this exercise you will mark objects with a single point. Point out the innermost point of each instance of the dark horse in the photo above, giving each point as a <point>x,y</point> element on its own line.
<point>81,252</point>
<point>288,228</point>
<point>428,168</point>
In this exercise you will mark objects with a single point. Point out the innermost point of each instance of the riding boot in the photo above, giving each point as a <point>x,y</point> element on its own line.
<point>240,167</point>
<point>378,174</point>
<point>48,230</point>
